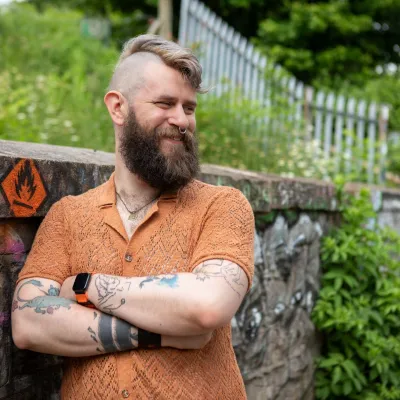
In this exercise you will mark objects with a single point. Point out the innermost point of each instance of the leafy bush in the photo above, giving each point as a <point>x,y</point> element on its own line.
<point>52,81</point>
<point>358,310</point>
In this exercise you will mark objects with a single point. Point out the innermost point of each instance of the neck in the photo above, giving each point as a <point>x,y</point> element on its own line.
<point>131,187</point>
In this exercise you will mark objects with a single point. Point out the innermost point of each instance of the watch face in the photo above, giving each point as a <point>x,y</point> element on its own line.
<point>81,283</point>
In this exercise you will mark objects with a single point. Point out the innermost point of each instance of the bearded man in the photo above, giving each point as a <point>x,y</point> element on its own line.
<point>136,281</point>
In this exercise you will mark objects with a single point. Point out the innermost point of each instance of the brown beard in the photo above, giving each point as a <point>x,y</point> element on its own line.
<point>140,151</point>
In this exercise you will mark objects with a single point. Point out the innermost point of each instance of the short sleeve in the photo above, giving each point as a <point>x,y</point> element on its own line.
<point>49,257</point>
<point>227,232</point>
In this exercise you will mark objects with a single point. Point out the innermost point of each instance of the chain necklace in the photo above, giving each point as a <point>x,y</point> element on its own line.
<point>132,213</point>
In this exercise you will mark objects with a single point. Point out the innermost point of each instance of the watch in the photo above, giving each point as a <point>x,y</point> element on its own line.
<point>80,288</point>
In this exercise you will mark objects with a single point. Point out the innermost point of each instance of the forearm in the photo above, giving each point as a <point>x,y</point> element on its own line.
<point>180,304</point>
<point>162,308</point>
<point>65,328</point>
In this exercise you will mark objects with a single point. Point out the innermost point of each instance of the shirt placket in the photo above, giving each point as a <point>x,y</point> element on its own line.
<point>124,360</point>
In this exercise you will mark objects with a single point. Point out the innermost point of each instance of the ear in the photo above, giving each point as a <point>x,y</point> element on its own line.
<point>117,106</point>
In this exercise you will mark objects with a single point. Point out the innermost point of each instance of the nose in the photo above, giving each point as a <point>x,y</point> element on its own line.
<point>178,117</point>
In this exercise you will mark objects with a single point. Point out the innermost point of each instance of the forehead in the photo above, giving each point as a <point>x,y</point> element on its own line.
<point>159,79</point>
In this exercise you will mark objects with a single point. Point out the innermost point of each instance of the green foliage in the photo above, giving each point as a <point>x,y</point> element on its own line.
<point>51,91</point>
<point>332,44</point>
<point>385,89</point>
<point>235,132</point>
<point>52,86</point>
<point>358,310</point>
<point>328,43</point>
<point>98,7</point>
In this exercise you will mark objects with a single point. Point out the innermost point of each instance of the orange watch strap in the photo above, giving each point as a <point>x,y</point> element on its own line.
<point>83,300</point>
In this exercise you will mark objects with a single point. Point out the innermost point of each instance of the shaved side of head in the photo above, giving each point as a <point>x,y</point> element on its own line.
<point>137,52</point>
<point>128,76</point>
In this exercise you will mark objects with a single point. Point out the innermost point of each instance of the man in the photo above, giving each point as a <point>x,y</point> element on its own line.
<point>136,281</point>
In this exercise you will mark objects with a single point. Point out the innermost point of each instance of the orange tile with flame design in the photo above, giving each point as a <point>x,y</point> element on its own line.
<point>24,189</point>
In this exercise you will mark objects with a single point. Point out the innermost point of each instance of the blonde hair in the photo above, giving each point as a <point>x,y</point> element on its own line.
<point>172,54</point>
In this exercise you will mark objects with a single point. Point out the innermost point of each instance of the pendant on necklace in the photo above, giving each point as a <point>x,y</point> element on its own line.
<point>132,217</point>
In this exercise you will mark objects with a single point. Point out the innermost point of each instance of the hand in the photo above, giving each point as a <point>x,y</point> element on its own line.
<point>186,342</point>
<point>66,288</point>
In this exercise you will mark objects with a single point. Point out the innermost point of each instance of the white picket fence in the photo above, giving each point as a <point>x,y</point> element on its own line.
<point>229,60</point>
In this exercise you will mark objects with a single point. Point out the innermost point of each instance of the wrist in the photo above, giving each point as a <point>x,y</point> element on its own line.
<point>149,340</point>
<point>91,292</point>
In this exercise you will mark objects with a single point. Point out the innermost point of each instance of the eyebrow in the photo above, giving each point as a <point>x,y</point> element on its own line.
<point>174,99</point>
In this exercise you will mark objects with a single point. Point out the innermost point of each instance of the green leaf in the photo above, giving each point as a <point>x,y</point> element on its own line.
<point>338,283</point>
<point>347,388</point>
<point>337,375</point>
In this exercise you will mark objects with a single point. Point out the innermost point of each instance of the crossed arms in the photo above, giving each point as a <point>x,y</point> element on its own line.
<point>184,308</point>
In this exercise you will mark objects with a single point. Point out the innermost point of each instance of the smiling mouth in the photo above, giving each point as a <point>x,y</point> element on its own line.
<point>172,139</point>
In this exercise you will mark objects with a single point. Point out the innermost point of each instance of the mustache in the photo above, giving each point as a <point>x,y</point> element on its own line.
<point>173,133</point>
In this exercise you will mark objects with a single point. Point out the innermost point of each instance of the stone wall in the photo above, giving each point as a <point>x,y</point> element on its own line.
<point>273,336</point>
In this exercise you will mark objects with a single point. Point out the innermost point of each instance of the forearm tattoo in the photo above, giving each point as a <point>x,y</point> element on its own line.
<point>107,287</point>
<point>162,280</point>
<point>113,334</point>
<point>228,270</point>
<point>43,304</point>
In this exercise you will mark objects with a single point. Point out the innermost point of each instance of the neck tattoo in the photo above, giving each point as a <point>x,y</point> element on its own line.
<point>133,214</point>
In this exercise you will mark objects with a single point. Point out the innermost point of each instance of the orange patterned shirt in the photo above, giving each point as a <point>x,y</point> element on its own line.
<point>85,234</point>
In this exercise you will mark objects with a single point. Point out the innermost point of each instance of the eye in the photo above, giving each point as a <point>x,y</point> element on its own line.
<point>189,110</point>
<point>163,104</point>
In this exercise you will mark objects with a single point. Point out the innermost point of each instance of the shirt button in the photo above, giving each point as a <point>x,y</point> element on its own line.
<point>128,257</point>
<point>125,394</point>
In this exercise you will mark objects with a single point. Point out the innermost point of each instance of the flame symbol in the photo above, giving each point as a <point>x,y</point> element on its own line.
<point>24,186</point>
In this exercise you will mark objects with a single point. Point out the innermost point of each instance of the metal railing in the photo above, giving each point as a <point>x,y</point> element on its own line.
<point>350,132</point>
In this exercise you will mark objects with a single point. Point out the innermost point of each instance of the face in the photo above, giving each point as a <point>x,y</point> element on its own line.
<point>151,145</point>
<point>141,152</point>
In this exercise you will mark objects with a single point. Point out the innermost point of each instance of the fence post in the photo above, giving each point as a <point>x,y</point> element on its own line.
<point>248,69</point>
<point>350,113</point>
<point>183,22</point>
<point>339,131</point>
<point>204,13</point>
<point>221,63</point>
<point>191,22</point>
<point>209,43</point>
<point>371,141</point>
<point>362,105</point>
<point>383,125</point>
<point>299,98</point>
<point>307,112</point>
<point>229,53</point>
<point>318,117</point>
<point>330,101</point>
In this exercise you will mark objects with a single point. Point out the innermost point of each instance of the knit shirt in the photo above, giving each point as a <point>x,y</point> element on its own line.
<point>181,230</point>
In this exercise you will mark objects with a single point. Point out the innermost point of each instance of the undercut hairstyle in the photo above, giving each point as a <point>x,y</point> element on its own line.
<point>156,48</point>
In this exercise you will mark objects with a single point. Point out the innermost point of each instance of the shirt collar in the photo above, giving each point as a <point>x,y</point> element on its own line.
<point>108,197</point>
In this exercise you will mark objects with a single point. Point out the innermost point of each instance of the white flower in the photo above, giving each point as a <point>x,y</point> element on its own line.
<point>40,78</point>
<point>74,138</point>
<point>50,121</point>
<point>31,108</point>
<point>301,164</point>
<point>67,124</point>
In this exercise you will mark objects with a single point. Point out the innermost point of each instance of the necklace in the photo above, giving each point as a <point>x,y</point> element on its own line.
<point>132,213</point>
